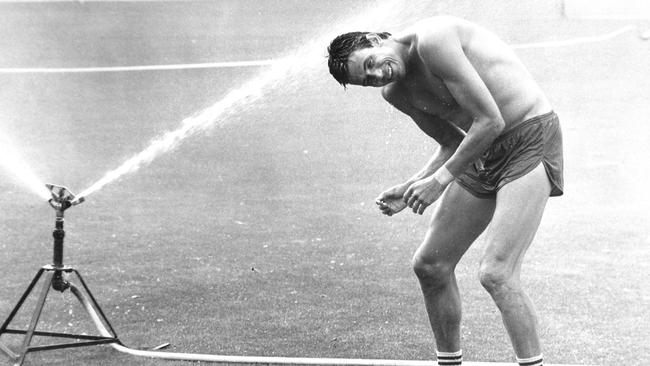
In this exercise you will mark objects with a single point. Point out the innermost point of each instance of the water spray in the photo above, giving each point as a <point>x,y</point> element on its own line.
<point>14,163</point>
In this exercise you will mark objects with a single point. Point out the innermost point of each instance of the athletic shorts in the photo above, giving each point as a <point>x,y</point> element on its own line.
<point>514,154</point>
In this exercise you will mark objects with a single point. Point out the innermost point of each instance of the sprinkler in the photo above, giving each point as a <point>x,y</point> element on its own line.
<point>61,200</point>
<point>52,276</point>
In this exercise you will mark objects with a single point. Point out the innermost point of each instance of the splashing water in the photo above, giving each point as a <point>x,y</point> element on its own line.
<point>13,163</point>
<point>303,61</point>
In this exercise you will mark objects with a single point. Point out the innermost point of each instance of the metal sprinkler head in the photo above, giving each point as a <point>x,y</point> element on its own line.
<point>62,198</point>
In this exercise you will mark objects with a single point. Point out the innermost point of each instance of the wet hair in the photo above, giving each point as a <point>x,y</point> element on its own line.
<point>341,48</point>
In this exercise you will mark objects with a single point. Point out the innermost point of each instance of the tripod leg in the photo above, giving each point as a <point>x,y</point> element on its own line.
<point>9,352</point>
<point>95,304</point>
<point>20,302</point>
<point>34,322</point>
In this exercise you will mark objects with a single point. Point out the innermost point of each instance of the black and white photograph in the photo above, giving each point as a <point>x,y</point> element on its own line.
<point>325,182</point>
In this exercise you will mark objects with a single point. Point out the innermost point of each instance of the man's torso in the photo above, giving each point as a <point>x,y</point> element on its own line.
<point>515,92</point>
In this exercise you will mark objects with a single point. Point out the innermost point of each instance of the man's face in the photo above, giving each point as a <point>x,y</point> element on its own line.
<point>374,66</point>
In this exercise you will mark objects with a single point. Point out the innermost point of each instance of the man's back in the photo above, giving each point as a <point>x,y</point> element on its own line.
<point>516,94</point>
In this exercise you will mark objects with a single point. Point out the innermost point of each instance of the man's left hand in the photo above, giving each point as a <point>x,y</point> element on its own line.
<point>422,193</point>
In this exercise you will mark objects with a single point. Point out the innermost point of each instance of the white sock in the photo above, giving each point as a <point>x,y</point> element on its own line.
<point>531,361</point>
<point>450,358</point>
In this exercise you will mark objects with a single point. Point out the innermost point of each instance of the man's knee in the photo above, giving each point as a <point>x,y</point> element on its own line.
<point>497,276</point>
<point>432,272</point>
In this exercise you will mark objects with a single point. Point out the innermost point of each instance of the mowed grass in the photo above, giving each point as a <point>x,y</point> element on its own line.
<point>260,237</point>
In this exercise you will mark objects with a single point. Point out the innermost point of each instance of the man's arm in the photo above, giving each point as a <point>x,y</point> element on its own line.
<point>443,53</point>
<point>446,134</point>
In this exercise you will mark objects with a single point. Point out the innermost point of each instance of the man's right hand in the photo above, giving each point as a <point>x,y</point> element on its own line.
<point>391,201</point>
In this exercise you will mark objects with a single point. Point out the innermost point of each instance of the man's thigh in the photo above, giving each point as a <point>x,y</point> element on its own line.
<point>519,208</point>
<point>459,218</point>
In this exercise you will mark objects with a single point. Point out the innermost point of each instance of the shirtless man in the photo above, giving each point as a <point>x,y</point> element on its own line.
<point>499,159</point>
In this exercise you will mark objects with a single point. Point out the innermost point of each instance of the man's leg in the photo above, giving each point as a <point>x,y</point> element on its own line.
<point>519,208</point>
<point>458,220</point>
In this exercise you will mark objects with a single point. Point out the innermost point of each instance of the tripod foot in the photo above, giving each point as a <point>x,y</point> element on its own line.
<point>52,278</point>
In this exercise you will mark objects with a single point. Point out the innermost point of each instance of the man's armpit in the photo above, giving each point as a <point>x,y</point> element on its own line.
<point>444,132</point>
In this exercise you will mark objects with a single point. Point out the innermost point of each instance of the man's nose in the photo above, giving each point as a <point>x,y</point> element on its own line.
<point>375,72</point>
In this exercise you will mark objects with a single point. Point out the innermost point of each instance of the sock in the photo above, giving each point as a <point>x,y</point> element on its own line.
<point>450,358</point>
<point>532,361</point>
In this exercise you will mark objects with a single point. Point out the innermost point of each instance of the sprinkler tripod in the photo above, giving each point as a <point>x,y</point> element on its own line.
<point>53,276</point>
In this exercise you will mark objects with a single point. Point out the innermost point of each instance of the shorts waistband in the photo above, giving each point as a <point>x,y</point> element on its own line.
<point>524,123</point>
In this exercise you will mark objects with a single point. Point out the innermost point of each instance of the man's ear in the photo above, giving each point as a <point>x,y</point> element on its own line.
<point>374,39</point>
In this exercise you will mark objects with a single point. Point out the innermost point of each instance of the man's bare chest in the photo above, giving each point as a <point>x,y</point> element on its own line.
<point>429,94</point>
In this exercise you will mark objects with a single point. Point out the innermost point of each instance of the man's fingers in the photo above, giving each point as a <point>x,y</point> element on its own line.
<point>407,195</point>
<point>384,208</point>
<point>418,206</point>
<point>412,201</point>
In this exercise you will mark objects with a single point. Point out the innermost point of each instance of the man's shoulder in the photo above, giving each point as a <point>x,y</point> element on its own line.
<point>433,32</point>
<point>393,93</point>
<point>429,27</point>
<point>390,92</point>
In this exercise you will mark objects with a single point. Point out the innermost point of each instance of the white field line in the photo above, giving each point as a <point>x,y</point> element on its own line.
<point>575,41</point>
<point>216,65</point>
<point>91,1</point>
<point>209,65</point>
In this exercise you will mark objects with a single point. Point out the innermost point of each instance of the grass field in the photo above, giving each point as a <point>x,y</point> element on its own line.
<point>261,237</point>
